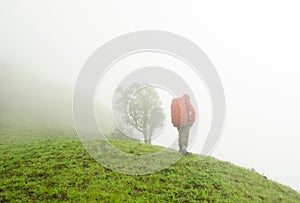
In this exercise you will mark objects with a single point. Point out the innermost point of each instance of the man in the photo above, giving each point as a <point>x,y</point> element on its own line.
<point>183,117</point>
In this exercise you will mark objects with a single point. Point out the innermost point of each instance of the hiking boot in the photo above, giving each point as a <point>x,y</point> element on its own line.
<point>185,153</point>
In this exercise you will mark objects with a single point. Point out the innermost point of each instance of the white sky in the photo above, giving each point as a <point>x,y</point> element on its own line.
<point>254,46</point>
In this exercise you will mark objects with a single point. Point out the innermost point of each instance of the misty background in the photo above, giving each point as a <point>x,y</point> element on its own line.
<point>254,46</point>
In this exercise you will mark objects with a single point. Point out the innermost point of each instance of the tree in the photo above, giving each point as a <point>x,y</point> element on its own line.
<point>139,107</point>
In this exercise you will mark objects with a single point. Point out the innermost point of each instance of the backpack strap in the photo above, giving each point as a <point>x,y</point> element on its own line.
<point>188,111</point>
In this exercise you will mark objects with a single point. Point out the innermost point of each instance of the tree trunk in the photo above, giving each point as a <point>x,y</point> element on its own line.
<point>145,137</point>
<point>150,136</point>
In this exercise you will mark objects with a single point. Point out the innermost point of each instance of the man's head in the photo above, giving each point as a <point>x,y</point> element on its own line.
<point>186,97</point>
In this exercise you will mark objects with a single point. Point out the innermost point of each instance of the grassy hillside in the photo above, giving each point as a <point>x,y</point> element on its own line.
<point>58,170</point>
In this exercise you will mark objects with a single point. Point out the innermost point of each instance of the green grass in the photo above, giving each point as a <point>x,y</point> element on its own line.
<point>41,167</point>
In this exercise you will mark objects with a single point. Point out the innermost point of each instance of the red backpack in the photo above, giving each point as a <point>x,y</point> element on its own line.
<point>182,112</point>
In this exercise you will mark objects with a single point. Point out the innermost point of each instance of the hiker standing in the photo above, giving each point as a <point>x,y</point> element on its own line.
<point>183,117</point>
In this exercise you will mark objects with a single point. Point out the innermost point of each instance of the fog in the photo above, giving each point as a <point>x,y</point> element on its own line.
<point>26,97</point>
<point>254,46</point>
